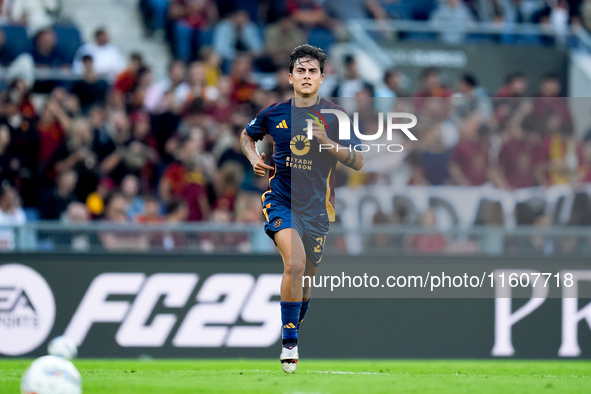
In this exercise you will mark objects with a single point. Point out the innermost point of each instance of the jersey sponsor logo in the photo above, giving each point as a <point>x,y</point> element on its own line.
<point>27,309</point>
<point>278,222</point>
<point>299,145</point>
<point>232,310</point>
<point>282,125</point>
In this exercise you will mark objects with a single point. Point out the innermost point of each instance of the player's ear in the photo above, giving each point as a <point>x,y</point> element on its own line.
<point>290,78</point>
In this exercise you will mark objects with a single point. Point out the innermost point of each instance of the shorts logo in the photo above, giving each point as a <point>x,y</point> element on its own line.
<point>278,222</point>
<point>299,145</point>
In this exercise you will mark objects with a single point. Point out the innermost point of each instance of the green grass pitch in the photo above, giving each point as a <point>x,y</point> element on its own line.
<point>319,376</point>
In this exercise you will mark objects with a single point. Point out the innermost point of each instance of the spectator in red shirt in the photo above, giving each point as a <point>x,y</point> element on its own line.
<point>585,170</point>
<point>549,99</point>
<point>517,158</point>
<point>51,128</point>
<point>515,86</point>
<point>185,180</point>
<point>223,108</point>
<point>126,81</point>
<point>244,84</point>
<point>469,164</point>
<point>430,87</point>
<point>427,243</point>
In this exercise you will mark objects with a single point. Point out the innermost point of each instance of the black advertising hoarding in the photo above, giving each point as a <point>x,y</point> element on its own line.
<point>490,66</point>
<point>168,306</point>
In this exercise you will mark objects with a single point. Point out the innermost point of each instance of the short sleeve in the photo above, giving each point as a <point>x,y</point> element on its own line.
<point>257,128</point>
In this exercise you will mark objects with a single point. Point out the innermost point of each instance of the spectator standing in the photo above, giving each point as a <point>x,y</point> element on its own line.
<point>560,155</point>
<point>435,157</point>
<point>469,163</point>
<point>518,155</point>
<point>76,154</point>
<point>51,128</point>
<point>24,142</point>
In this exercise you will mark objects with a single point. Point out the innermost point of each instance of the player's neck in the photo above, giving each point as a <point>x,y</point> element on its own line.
<point>301,101</point>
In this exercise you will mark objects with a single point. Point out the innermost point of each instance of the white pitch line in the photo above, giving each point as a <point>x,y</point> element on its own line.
<point>352,373</point>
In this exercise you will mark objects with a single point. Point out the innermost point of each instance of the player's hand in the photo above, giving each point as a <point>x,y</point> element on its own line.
<point>319,133</point>
<point>259,167</point>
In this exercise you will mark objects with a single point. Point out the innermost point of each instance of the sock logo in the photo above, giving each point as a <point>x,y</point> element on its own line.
<point>290,325</point>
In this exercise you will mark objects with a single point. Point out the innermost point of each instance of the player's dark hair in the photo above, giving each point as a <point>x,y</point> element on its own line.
<point>307,51</point>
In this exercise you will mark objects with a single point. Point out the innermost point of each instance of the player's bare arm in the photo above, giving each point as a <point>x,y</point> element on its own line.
<point>349,157</point>
<point>250,151</point>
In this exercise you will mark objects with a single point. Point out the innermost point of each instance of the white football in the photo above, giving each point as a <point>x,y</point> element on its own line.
<point>63,347</point>
<point>51,375</point>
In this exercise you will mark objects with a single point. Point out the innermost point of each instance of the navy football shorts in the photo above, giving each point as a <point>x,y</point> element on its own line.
<point>313,233</point>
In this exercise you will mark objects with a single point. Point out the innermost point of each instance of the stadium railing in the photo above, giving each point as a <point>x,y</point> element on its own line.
<point>204,238</point>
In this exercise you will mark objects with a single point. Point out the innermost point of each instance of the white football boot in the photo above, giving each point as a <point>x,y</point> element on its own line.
<point>289,357</point>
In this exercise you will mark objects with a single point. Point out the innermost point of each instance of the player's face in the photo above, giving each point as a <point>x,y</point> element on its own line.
<point>306,77</point>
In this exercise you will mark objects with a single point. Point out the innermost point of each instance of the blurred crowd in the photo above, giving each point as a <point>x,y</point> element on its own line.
<point>120,145</point>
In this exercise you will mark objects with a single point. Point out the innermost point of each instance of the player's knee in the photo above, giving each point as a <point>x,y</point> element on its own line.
<point>295,267</point>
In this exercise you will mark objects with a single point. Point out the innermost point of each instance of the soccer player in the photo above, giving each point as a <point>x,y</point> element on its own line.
<point>298,205</point>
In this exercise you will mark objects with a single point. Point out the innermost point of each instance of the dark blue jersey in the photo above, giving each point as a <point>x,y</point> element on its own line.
<point>303,176</point>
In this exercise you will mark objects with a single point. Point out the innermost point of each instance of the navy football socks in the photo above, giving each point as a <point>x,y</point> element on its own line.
<point>303,311</point>
<point>290,313</point>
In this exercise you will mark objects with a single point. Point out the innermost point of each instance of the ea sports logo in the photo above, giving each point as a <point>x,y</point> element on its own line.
<point>299,145</point>
<point>27,309</point>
